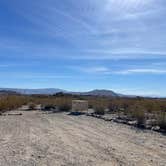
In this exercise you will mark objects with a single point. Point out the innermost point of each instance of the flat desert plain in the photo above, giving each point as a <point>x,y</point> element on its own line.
<point>37,139</point>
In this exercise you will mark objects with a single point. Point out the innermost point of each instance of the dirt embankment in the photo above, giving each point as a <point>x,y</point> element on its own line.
<point>59,139</point>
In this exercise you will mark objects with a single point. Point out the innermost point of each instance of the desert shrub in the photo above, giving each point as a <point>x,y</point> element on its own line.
<point>99,110</point>
<point>140,117</point>
<point>96,102</point>
<point>138,112</point>
<point>32,106</point>
<point>64,107</point>
<point>11,102</point>
<point>99,105</point>
<point>90,106</point>
<point>3,105</point>
<point>64,104</point>
<point>161,120</point>
<point>113,106</point>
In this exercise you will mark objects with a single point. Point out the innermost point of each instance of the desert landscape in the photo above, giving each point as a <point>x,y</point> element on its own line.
<point>60,139</point>
<point>82,83</point>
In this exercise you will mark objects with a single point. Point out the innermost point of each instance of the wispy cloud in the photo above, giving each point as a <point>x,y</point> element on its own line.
<point>83,32</point>
<point>51,21</point>
<point>141,14</point>
<point>114,57</point>
<point>102,70</point>
<point>142,71</point>
<point>93,70</point>
<point>127,51</point>
<point>34,76</point>
<point>119,55</point>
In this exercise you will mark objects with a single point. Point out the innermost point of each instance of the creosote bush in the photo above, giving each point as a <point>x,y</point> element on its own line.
<point>11,102</point>
<point>32,106</point>
<point>65,107</point>
<point>161,120</point>
<point>99,109</point>
<point>113,107</point>
<point>138,112</point>
<point>64,104</point>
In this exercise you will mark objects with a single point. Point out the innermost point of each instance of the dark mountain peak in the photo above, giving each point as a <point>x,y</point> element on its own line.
<point>101,92</point>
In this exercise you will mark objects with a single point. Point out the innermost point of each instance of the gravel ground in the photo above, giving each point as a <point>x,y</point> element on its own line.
<point>37,139</point>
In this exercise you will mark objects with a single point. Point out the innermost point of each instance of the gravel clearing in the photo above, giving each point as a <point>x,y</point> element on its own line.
<point>37,139</point>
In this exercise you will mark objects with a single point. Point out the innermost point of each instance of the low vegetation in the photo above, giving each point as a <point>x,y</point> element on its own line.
<point>32,106</point>
<point>99,110</point>
<point>161,120</point>
<point>139,109</point>
<point>64,104</point>
<point>138,112</point>
<point>11,102</point>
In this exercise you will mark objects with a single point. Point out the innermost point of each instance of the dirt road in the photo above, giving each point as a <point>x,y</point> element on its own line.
<point>36,139</point>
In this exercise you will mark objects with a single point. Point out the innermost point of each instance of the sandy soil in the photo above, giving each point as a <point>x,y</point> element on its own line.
<point>36,139</point>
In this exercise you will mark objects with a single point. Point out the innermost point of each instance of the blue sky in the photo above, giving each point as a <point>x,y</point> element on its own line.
<point>83,45</point>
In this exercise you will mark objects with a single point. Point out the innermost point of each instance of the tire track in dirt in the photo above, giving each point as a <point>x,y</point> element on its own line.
<point>59,139</point>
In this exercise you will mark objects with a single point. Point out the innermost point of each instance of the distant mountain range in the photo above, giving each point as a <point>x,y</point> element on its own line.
<point>48,91</point>
<point>7,92</point>
<point>51,91</point>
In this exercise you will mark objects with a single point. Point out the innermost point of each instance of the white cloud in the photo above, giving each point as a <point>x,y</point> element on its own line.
<point>104,70</point>
<point>29,75</point>
<point>119,54</point>
<point>108,71</point>
<point>126,51</point>
<point>92,69</point>
<point>142,71</point>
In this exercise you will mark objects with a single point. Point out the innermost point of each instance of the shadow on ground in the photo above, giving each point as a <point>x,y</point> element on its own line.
<point>76,113</point>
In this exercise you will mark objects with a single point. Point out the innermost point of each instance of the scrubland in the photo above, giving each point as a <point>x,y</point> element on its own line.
<point>39,130</point>
<point>139,109</point>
